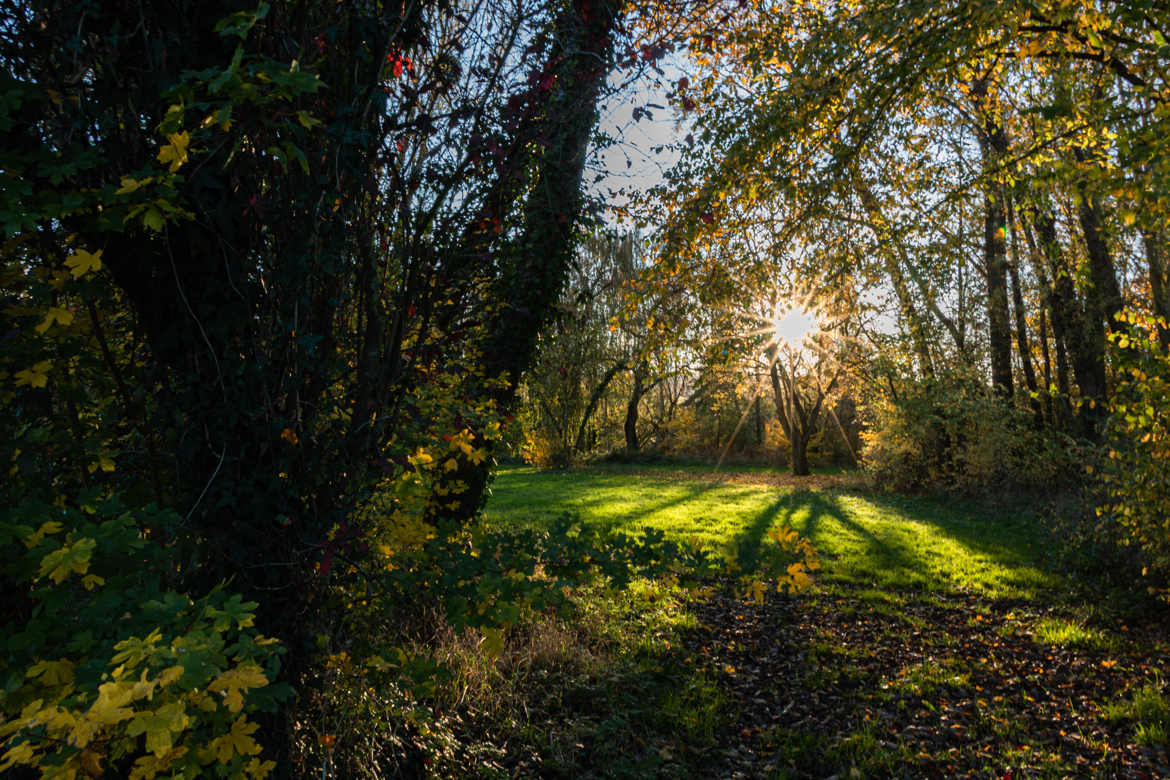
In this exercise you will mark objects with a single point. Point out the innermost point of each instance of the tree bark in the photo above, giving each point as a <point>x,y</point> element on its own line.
<point>1155,244</point>
<point>993,145</point>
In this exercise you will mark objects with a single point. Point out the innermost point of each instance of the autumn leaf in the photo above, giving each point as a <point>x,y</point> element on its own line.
<point>130,185</point>
<point>47,528</point>
<point>82,262</point>
<point>60,563</point>
<point>233,681</point>
<point>160,726</point>
<point>493,642</point>
<point>238,740</point>
<point>53,672</point>
<point>55,314</point>
<point>259,769</point>
<point>37,376</point>
<point>175,153</point>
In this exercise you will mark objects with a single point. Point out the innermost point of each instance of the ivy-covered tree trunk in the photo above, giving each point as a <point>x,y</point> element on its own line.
<point>533,268</point>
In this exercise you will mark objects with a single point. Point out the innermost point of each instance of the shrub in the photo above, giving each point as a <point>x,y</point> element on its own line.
<point>1136,467</point>
<point>105,669</point>
<point>950,432</point>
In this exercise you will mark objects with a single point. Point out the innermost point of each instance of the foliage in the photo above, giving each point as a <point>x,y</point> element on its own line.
<point>950,433</point>
<point>107,670</point>
<point>242,281</point>
<point>1136,472</point>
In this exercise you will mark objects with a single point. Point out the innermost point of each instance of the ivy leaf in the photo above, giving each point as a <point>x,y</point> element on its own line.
<point>82,262</point>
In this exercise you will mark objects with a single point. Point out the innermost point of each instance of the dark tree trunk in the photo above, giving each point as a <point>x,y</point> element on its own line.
<point>1155,244</point>
<point>800,455</point>
<point>533,269</point>
<point>591,407</point>
<point>631,424</point>
<point>993,144</point>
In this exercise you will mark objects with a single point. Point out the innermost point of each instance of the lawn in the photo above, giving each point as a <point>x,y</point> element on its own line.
<point>864,538</point>
<point>939,640</point>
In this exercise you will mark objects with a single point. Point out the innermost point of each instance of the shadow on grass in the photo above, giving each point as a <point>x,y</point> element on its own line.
<point>908,543</point>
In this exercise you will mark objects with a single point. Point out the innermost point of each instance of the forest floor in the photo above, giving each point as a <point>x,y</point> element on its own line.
<point>943,639</point>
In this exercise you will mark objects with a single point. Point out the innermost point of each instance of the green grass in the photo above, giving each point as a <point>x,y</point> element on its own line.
<point>1149,711</point>
<point>1068,633</point>
<point>887,543</point>
<point>923,574</point>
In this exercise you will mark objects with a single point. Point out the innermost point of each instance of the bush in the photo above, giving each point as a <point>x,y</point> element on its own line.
<point>951,433</point>
<point>1136,463</point>
<point>105,669</point>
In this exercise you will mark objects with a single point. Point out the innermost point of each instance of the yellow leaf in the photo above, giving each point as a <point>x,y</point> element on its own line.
<point>37,376</point>
<point>160,726</point>
<point>62,562</point>
<point>259,769</point>
<point>82,262</point>
<point>110,707</point>
<point>477,456</point>
<point>493,642</point>
<point>150,766</point>
<point>289,435</point>
<point>170,675</point>
<point>175,153</point>
<point>103,462</point>
<point>53,672</point>
<point>233,681</point>
<point>21,754</point>
<point>130,185</point>
<point>758,591</point>
<point>55,314</point>
<point>48,528</point>
<point>451,465</point>
<point>238,740</point>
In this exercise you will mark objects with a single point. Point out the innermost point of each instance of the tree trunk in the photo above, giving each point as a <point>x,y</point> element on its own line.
<point>591,407</point>
<point>533,269</point>
<point>1022,325</point>
<point>800,454</point>
<point>631,424</point>
<point>1155,244</point>
<point>993,145</point>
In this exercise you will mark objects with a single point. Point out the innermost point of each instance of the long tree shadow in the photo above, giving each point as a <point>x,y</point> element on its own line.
<point>903,543</point>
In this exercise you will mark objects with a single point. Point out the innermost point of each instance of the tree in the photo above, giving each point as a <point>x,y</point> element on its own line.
<point>336,230</point>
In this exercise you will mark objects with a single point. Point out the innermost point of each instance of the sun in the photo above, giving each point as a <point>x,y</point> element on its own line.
<point>793,325</point>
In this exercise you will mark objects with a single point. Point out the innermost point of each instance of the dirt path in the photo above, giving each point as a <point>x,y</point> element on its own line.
<point>849,685</point>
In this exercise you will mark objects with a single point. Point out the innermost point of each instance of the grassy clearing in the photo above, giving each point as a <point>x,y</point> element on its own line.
<point>885,543</point>
<point>939,642</point>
